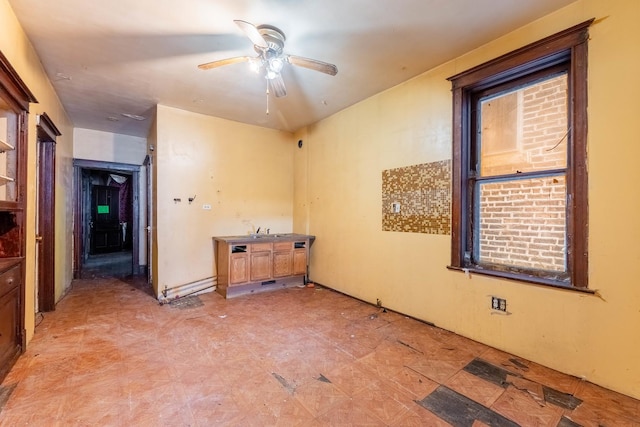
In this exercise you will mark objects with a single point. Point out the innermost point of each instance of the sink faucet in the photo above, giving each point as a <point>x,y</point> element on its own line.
<point>268,229</point>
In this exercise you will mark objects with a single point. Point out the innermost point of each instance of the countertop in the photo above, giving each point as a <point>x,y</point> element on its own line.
<point>265,238</point>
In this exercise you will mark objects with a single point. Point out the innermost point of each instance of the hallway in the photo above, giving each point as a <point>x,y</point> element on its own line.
<point>110,355</point>
<point>113,264</point>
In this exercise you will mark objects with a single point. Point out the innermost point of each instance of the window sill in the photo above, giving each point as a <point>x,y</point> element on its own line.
<point>522,278</point>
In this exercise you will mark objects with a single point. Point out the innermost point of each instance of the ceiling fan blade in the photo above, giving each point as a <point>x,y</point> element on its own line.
<point>277,86</point>
<point>313,64</point>
<point>221,62</point>
<point>252,32</point>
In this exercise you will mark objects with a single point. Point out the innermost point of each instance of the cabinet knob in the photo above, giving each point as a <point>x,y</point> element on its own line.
<point>38,238</point>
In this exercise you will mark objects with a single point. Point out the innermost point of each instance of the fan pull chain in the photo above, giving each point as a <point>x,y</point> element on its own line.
<point>267,97</point>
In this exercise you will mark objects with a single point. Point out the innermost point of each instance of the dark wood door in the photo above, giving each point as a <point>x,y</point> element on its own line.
<point>45,212</point>
<point>106,231</point>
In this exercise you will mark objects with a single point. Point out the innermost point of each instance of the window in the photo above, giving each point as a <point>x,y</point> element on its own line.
<point>519,205</point>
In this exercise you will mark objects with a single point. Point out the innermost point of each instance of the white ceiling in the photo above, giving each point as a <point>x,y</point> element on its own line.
<point>106,58</point>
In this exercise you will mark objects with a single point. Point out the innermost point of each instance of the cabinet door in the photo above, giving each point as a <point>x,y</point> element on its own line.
<point>300,261</point>
<point>260,266</point>
<point>238,268</point>
<point>282,264</point>
<point>9,343</point>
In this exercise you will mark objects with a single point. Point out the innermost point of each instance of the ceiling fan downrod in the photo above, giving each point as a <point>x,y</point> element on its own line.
<point>267,97</point>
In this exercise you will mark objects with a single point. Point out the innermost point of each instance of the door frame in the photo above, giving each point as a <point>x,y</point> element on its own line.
<point>47,132</point>
<point>148,164</point>
<point>79,229</point>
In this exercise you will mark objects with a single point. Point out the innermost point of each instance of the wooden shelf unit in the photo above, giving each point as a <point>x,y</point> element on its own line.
<point>15,98</point>
<point>5,146</point>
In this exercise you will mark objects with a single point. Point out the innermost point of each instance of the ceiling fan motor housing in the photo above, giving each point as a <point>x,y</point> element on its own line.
<point>273,36</point>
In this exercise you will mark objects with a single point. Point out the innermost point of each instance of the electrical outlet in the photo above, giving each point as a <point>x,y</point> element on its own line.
<point>499,304</point>
<point>206,207</point>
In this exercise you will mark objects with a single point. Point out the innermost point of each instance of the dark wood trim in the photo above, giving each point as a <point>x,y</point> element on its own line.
<point>134,170</point>
<point>21,201</point>
<point>568,45</point>
<point>458,224</point>
<point>47,130</point>
<point>578,179</point>
<point>13,87</point>
<point>17,97</point>
<point>47,133</point>
<point>518,61</point>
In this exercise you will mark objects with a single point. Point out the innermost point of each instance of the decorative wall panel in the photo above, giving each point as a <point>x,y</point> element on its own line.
<point>417,199</point>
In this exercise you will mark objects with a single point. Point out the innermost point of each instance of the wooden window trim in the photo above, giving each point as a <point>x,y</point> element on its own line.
<point>570,44</point>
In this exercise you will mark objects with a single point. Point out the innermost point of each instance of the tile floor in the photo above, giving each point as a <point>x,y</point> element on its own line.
<point>110,355</point>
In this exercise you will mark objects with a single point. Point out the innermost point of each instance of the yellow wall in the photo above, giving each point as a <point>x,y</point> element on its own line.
<point>18,50</point>
<point>338,199</point>
<point>244,172</point>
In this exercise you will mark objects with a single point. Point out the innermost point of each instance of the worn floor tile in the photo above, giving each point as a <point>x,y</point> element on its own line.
<point>111,355</point>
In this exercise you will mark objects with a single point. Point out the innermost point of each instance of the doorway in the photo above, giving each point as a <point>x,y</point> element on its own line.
<point>45,213</point>
<point>106,219</point>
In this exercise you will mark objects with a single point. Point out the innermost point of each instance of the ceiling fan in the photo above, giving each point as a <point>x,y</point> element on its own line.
<point>268,42</point>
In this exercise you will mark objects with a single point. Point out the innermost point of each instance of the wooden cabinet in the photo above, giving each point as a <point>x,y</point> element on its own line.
<point>235,269</point>
<point>238,268</point>
<point>282,259</point>
<point>14,107</point>
<point>10,334</point>
<point>8,319</point>
<point>282,263</point>
<point>260,265</point>
<point>247,265</point>
<point>300,261</point>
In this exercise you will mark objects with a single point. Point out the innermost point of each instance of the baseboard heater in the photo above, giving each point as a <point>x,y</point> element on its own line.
<point>192,288</point>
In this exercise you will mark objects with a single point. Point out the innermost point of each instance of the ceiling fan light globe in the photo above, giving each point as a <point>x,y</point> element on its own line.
<point>276,64</point>
<point>254,65</point>
<point>270,75</point>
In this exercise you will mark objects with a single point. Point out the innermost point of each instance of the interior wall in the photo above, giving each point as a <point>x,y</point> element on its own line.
<point>19,51</point>
<point>244,173</point>
<point>116,148</point>
<point>108,147</point>
<point>338,198</point>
